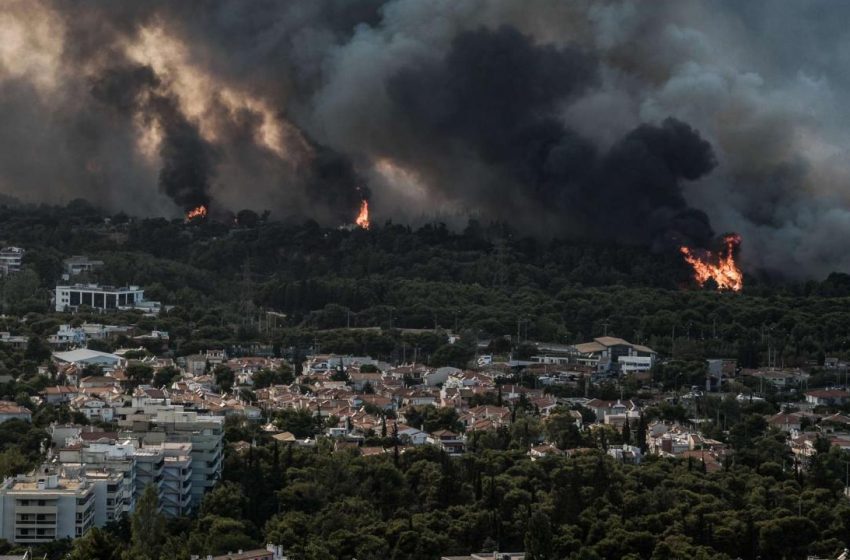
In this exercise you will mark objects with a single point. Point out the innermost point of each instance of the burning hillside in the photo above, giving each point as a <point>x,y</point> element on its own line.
<point>195,213</point>
<point>719,266</point>
<point>362,219</point>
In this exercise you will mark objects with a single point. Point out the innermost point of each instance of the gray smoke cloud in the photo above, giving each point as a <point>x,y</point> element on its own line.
<point>655,122</point>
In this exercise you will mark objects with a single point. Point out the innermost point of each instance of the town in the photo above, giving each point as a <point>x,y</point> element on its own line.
<point>117,417</point>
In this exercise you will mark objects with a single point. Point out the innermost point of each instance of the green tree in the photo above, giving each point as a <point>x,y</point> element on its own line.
<point>147,526</point>
<point>96,544</point>
<point>165,376</point>
<point>538,537</point>
<point>139,374</point>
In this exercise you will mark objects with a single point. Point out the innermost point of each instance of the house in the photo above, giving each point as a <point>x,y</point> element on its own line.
<point>408,434</point>
<point>786,421</point>
<point>10,411</point>
<point>488,556</point>
<point>626,453</point>
<point>59,394</point>
<point>613,412</point>
<point>828,397</point>
<point>93,408</point>
<point>545,450</point>
<point>271,552</point>
<point>13,341</point>
<point>779,378</point>
<point>98,382</point>
<point>717,370</point>
<point>448,441</point>
<point>360,380</point>
<point>196,364</point>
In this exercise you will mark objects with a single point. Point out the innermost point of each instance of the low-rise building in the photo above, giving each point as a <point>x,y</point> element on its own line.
<point>10,410</point>
<point>828,397</point>
<point>103,298</point>
<point>15,342</point>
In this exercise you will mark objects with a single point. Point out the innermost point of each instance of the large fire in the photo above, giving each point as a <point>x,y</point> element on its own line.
<point>363,217</point>
<point>199,212</point>
<point>719,266</point>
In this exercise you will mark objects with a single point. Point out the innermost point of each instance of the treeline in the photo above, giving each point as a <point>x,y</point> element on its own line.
<point>485,280</point>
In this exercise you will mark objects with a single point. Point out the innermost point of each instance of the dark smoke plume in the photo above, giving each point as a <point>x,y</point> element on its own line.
<point>495,94</point>
<point>606,118</point>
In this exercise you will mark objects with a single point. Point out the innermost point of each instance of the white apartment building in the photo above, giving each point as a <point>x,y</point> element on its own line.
<point>11,259</point>
<point>46,507</point>
<point>117,458</point>
<point>103,298</point>
<point>154,423</point>
<point>108,487</point>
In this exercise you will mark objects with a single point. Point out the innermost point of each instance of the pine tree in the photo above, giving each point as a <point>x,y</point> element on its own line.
<point>147,527</point>
<point>641,434</point>
<point>627,433</point>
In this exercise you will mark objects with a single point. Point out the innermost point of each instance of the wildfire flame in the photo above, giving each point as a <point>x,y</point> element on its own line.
<point>199,212</point>
<point>719,266</point>
<point>363,217</point>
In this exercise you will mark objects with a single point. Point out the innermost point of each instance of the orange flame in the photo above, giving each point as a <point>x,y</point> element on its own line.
<point>363,217</point>
<point>720,267</point>
<point>199,212</point>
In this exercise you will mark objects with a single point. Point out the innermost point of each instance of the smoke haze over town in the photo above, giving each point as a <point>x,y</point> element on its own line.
<point>660,123</point>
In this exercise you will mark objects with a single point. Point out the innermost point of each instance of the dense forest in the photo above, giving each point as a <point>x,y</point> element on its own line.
<point>222,277</point>
<point>422,504</point>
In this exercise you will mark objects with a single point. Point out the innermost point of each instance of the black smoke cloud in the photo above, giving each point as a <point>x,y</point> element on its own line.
<point>616,118</point>
<point>495,94</point>
<point>187,160</point>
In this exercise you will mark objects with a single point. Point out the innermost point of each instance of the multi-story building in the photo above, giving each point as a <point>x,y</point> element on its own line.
<point>150,461</point>
<point>108,485</point>
<point>113,457</point>
<point>176,479</point>
<point>10,260</point>
<point>45,507</point>
<point>103,298</point>
<point>171,424</point>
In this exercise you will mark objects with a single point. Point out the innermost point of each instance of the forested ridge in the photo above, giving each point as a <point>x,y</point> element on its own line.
<point>485,280</point>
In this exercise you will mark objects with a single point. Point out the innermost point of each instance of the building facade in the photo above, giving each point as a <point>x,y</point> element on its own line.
<point>46,507</point>
<point>11,259</point>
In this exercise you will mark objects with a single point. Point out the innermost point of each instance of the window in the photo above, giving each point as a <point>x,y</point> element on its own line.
<point>87,298</point>
<point>98,300</point>
<point>75,298</point>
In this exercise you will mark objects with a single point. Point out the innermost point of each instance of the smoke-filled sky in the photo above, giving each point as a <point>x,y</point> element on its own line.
<point>658,122</point>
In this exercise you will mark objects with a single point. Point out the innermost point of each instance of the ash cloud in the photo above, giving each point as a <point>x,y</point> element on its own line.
<point>646,122</point>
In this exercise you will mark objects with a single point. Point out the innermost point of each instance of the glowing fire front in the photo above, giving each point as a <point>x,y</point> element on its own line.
<point>199,212</point>
<point>719,266</point>
<point>363,217</point>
